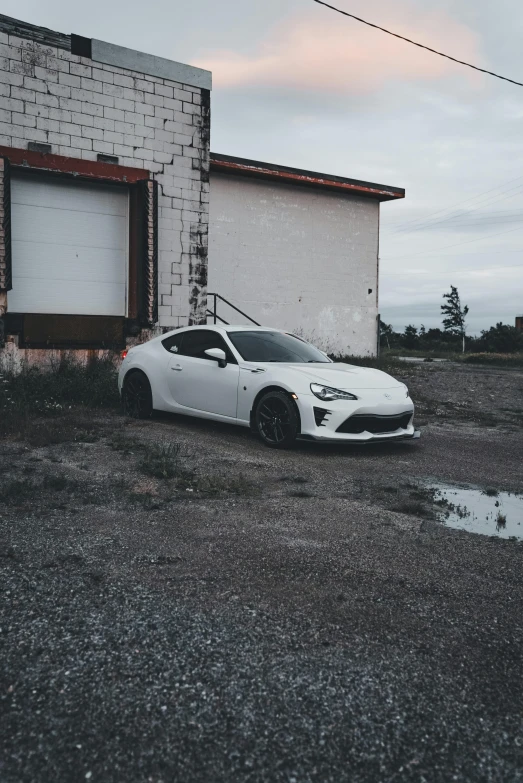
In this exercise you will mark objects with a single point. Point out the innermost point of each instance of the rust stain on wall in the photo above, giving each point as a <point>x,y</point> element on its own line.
<point>199,232</point>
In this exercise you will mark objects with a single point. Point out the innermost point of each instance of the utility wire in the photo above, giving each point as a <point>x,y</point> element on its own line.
<point>457,244</point>
<point>478,223</point>
<point>511,193</point>
<point>477,253</point>
<point>421,46</point>
<point>449,222</point>
<point>422,273</point>
<point>481,221</point>
<point>447,211</point>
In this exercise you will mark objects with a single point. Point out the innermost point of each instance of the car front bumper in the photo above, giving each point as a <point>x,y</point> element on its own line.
<point>378,415</point>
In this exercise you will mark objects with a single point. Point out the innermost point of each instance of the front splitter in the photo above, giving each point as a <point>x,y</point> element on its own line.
<point>416,435</point>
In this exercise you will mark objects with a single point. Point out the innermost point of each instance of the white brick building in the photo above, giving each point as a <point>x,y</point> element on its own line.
<point>104,211</point>
<point>297,250</point>
<point>104,157</point>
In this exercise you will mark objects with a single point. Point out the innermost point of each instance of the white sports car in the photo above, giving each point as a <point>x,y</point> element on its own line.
<point>266,379</point>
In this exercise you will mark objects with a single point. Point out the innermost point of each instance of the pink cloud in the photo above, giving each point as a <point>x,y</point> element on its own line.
<point>325,51</point>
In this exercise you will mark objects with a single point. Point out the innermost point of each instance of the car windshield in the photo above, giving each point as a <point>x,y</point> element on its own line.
<point>254,346</point>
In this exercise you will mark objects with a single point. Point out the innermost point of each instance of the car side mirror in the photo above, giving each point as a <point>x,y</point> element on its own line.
<point>218,354</point>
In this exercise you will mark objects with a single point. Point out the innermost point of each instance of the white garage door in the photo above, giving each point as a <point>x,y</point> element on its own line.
<point>69,247</point>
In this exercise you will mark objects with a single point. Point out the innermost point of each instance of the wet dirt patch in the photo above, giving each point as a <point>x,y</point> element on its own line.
<point>483,511</point>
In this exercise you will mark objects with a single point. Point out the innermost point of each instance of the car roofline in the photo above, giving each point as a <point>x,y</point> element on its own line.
<point>223,328</point>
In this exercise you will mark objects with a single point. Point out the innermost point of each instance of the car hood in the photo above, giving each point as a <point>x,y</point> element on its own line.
<point>346,376</point>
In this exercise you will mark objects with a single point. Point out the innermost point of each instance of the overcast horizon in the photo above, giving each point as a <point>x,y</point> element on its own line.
<point>297,84</point>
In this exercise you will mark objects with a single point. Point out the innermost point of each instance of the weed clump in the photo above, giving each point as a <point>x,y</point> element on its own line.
<point>16,492</point>
<point>162,460</point>
<point>126,443</point>
<point>56,483</point>
<point>413,507</point>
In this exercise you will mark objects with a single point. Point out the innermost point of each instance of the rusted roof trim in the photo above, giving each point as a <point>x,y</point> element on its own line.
<point>227,164</point>
<point>75,166</point>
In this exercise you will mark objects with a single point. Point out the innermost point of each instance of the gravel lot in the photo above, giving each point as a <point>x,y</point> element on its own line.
<point>262,616</point>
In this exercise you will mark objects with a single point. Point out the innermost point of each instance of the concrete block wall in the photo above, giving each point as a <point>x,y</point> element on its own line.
<point>297,258</point>
<point>82,107</point>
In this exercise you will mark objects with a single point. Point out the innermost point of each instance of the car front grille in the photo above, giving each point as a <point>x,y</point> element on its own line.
<point>355,425</point>
<point>320,414</point>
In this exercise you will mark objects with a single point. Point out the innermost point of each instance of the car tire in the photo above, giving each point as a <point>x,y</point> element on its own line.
<point>277,420</point>
<point>137,397</point>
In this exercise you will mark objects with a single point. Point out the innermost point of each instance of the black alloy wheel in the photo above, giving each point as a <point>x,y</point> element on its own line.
<point>137,398</point>
<point>277,419</point>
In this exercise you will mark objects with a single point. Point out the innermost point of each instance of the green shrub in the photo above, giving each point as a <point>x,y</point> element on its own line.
<point>501,338</point>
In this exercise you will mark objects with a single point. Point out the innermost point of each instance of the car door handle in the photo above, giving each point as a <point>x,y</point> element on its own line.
<point>177,368</point>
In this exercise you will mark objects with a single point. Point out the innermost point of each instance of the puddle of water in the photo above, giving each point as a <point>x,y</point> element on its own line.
<point>478,512</point>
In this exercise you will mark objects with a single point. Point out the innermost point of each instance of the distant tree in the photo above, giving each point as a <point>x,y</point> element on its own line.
<point>386,332</point>
<point>500,338</point>
<point>454,322</point>
<point>410,336</point>
<point>435,335</point>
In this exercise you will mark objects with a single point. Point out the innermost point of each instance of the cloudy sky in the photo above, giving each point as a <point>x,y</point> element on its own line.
<point>297,84</point>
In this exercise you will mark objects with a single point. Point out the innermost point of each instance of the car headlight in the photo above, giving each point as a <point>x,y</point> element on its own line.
<point>327,393</point>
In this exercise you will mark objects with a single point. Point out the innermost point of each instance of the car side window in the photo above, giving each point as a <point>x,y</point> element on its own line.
<point>197,341</point>
<point>173,343</point>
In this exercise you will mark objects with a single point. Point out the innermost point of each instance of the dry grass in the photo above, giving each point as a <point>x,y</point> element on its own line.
<point>494,359</point>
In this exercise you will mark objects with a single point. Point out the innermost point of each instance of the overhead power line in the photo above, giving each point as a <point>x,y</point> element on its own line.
<point>457,244</point>
<point>512,193</point>
<point>478,223</point>
<point>464,215</point>
<point>420,46</point>
<point>424,272</point>
<point>480,203</point>
<point>445,211</point>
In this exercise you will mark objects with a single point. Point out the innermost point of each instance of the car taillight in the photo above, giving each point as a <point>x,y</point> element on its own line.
<point>124,353</point>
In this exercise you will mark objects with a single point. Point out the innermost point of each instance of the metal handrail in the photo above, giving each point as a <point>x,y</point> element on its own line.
<point>215,316</point>
<point>222,298</point>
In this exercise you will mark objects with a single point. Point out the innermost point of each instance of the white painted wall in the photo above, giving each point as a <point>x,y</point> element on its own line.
<point>297,258</point>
